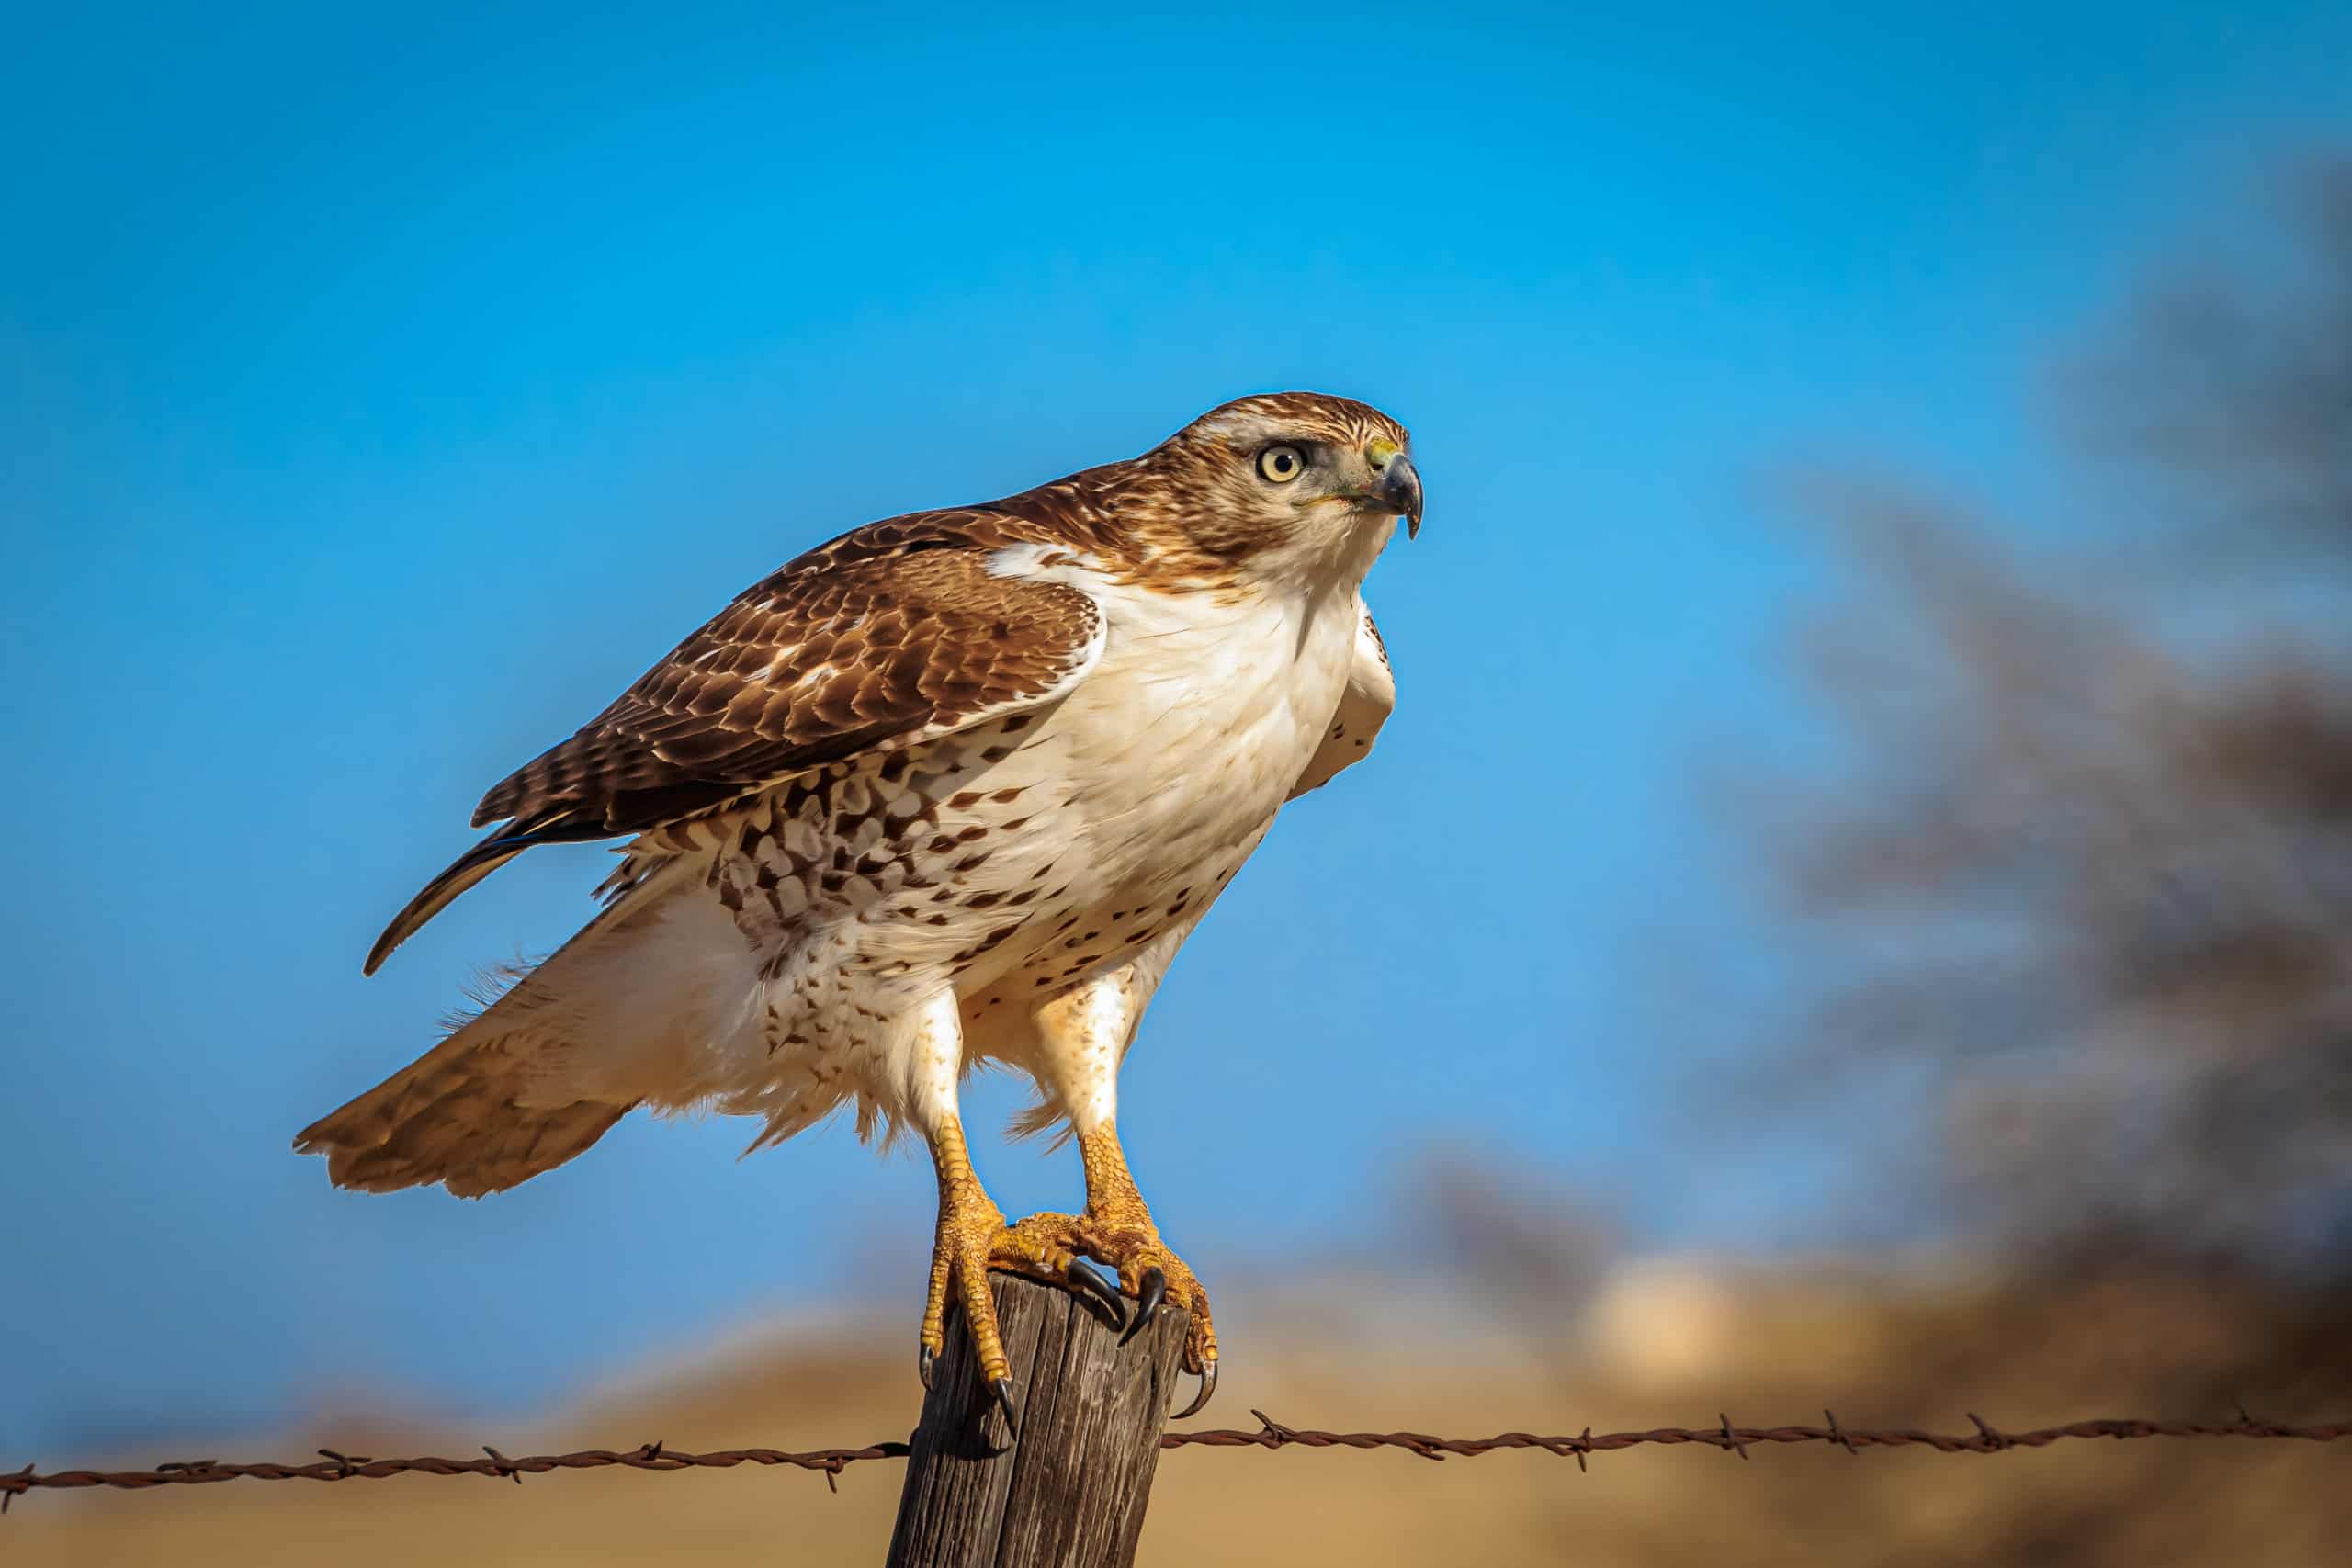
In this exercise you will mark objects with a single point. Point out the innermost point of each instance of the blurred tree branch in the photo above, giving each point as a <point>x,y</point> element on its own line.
<point>2090,876</point>
<point>2065,913</point>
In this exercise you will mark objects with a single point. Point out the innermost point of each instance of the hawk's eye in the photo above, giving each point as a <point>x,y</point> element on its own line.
<point>1280,465</point>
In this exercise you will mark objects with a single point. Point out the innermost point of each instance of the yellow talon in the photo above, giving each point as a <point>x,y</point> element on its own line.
<point>969,1224</point>
<point>1117,1230</point>
<point>972,1239</point>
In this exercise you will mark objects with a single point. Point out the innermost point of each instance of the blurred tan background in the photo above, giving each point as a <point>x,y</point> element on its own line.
<point>1661,1342</point>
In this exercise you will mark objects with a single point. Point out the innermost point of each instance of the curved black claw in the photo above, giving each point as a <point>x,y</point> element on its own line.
<point>923,1359</point>
<point>1149,1294</point>
<point>1089,1278</point>
<point>1001,1390</point>
<point>1208,1388</point>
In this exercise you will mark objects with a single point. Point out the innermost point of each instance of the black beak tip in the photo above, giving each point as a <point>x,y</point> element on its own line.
<point>1400,486</point>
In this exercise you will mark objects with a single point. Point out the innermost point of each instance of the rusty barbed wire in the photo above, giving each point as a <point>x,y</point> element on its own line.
<point>333,1465</point>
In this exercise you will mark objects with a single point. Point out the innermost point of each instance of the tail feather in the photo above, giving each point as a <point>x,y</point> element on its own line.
<point>460,1115</point>
<point>473,1158</point>
<point>500,1100</point>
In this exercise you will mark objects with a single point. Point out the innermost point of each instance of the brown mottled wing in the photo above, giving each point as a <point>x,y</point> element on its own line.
<point>818,662</point>
<point>1365,706</point>
<point>888,637</point>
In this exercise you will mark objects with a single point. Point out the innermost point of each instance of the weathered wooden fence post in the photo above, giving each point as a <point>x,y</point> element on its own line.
<point>1070,1492</point>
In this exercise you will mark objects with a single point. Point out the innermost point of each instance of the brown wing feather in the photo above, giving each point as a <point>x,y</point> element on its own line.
<point>886,637</point>
<point>840,652</point>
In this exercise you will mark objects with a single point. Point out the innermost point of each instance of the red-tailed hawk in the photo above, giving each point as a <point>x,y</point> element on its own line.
<point>954,787</point>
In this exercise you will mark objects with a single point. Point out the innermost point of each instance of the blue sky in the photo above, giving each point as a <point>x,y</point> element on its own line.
<point>378,394</point>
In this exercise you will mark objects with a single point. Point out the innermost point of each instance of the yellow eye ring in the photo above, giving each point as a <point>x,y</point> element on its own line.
<point>1280,465</point>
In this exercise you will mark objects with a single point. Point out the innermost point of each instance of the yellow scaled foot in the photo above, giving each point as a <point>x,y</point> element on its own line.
<point>972,1239</point>
<point>1117,1230</point>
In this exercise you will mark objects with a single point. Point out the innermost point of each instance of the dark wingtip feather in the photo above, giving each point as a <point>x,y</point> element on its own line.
<point>485,857</point>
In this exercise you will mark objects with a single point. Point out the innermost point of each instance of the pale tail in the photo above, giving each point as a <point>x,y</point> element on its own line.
<point>542,1074</point>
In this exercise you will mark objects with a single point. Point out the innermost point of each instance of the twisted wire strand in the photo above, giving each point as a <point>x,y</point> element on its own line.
<point>333,1465</point>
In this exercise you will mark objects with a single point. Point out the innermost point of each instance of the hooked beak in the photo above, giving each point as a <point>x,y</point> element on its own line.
<point>1400,492</point>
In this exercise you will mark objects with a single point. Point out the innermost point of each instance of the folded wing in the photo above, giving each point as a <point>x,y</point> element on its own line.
<point>894,635</point>
<point>1364,707</point>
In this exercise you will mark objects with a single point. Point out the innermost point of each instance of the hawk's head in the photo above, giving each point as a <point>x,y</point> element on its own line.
<point>1285,477</point>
